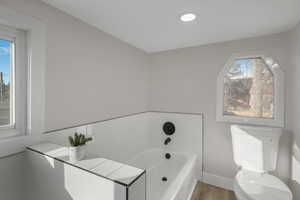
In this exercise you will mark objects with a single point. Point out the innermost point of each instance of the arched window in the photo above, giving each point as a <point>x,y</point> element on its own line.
<point>250,90</point>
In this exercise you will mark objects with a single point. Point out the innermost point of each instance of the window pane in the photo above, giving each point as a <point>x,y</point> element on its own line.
<point>5,81</point>
<point>248,89</point>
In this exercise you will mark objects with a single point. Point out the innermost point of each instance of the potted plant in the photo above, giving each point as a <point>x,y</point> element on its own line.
<point>78,147</point>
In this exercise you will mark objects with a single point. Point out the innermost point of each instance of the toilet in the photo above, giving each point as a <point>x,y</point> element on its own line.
<point>255,151</point>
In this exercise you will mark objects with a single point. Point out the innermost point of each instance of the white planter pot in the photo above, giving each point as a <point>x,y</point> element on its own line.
<point>77,153</point>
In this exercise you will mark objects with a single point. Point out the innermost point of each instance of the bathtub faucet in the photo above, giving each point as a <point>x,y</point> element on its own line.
<point>167,141</point>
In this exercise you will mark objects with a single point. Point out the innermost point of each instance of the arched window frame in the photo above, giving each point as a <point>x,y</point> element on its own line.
<point>278,77</point>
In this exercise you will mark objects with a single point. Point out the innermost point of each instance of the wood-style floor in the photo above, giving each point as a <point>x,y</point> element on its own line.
<point>204,191</point>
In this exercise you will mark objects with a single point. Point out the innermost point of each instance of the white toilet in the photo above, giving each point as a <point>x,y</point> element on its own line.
<point>255,152</point>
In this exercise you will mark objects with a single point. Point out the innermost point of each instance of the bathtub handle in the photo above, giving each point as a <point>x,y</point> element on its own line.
<point>169,128</point>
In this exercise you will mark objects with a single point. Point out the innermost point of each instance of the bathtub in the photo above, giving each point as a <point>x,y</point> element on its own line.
<point>179,169</point>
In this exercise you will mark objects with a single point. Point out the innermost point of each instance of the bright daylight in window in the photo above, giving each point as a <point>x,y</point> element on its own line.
<point>6,83</point>
<point>249,89</point>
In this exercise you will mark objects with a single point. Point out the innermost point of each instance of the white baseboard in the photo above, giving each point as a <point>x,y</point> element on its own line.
<point>218,181</point>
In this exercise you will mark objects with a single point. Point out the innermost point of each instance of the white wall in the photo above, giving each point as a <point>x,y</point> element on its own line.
<point>117,139</point>
<point>123,138</point>
<point>187,137</point>
<point>90,75</point>
<point>120,139</point>
<point>295,110</point>
<point>184,80</point>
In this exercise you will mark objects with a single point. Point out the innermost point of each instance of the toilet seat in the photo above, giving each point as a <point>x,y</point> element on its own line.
<point>249,185</point>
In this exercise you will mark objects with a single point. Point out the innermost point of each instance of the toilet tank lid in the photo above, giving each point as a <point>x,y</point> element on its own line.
<point>258,130</point>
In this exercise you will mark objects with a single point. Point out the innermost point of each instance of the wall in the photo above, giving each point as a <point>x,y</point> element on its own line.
<point>90,75</point>
<point>12,177</point>
<point>122,139</point>
<point>116,139</point>
<point>186,138</point>
<point>295,110</point>
<point>184,80</point>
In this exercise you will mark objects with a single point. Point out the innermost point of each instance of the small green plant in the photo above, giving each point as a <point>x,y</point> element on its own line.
<point>79,140</point>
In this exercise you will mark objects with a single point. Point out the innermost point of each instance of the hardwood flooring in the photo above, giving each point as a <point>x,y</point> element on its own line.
<point>204,191</point>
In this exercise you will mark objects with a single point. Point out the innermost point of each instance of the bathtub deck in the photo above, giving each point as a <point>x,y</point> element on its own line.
<point>204,191</point>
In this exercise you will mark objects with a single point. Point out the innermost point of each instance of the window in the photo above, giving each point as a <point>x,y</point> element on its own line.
<point>28,36</point>
<point>6,83</point>
<point>250,90</point>
<point>12,81</point>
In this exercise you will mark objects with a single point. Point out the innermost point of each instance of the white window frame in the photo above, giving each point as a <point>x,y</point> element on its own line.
<point>18,89</point>
<point>278,112</point>
<point>35,60</point>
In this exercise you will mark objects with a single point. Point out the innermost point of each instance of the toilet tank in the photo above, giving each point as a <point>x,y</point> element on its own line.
<point>255,148</point>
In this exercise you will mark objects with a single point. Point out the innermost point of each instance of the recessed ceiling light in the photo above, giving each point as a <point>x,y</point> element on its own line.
<point>188,17</point>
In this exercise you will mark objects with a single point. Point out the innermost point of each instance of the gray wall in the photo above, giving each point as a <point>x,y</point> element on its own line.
<point>90,75</point>
<point>296,83</point>
<point>12,177</point>
<point>295,111</point>
<point>184,80</point>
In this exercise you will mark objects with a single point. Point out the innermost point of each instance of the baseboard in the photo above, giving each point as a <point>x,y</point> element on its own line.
<point>218,181</point>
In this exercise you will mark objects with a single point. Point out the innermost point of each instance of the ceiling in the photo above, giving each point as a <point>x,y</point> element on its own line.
<point>154,25</point>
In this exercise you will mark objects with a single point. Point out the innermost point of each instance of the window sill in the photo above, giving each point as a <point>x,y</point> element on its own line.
<point>17,144</point>
<point>251,121</point>
<point>7,133</point>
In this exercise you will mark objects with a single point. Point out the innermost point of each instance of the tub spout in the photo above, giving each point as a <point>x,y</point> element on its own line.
<point>167,141</point>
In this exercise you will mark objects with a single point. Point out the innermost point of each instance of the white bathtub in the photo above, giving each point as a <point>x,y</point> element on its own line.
<point>179,170</point>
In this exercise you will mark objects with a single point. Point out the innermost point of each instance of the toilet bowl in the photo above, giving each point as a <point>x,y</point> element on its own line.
<point>260,186</point>
<point>255,151</point>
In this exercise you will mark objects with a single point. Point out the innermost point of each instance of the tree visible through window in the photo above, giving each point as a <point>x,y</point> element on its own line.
<point>249,89</point>
<point>6,66</point>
